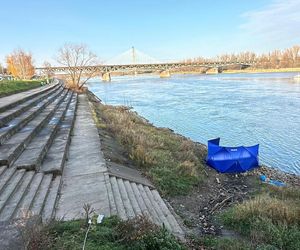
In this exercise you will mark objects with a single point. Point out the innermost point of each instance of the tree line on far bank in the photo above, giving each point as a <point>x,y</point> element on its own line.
<point>287,58</point>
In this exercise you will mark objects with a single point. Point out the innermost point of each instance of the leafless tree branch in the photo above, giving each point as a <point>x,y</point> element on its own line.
<point>76,57</point>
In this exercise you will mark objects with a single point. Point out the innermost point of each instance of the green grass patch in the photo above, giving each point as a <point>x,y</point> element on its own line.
<point>13,87</point>
<point>271,220</point>
<point>220,243</point>
<point>173,162</point>
<point>112,234</point>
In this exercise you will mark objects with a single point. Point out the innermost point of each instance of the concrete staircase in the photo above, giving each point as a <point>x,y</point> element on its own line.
<point>51,164</point>
<point>29,130</point>
<point>129,199</point>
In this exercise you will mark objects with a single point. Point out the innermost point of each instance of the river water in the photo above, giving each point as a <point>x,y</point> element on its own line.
<point>242,109</point>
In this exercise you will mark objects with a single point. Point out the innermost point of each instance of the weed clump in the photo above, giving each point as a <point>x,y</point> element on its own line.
<point>112,233</point>
<point>271,218</point>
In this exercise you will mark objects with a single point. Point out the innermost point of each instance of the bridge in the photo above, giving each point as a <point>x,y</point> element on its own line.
<point>135,61</point>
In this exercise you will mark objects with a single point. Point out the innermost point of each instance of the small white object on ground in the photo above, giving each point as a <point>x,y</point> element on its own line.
<point>100,218</point>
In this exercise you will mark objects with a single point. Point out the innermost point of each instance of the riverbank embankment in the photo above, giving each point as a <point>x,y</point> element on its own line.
<point>239,71</point>
<point>251,70</point>
<point>201,196</point>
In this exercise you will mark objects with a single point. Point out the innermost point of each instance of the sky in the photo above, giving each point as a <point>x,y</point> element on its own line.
<point>164,29</point>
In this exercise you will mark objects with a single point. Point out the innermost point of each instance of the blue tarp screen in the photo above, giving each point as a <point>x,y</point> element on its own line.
<point>231,159</point>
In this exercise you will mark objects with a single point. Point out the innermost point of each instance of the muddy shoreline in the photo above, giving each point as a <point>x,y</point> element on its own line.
<point>200,207</point>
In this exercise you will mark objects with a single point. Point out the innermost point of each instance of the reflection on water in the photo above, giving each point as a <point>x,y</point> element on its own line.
<point>242,109</point>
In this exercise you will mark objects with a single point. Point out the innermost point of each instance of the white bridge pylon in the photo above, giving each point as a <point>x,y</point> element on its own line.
<point>131,57</point>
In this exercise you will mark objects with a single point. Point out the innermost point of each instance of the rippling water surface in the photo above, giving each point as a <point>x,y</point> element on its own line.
<point>242,109</point>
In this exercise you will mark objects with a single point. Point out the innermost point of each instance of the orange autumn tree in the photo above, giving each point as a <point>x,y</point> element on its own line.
<point>20,64</point>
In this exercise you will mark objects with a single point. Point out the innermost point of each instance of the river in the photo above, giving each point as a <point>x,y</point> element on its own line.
<point>242,109</point>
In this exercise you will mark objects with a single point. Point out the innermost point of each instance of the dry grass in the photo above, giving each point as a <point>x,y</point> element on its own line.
<point>277,210</point>
<point>173,162</point>
<point>272,218</point>
<point>136,228</point>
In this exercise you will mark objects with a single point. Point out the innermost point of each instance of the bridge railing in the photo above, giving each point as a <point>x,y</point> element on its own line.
<point>169,65</point>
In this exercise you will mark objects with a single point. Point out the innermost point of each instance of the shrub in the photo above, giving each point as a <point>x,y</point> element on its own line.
<point>158,240</point>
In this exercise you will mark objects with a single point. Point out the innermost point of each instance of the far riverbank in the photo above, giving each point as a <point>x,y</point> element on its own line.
<point>281,70</point>
<point>241,71</point>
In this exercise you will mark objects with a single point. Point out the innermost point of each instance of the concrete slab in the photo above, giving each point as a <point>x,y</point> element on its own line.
<point>127,173</point>
<point>10,236</point>
<point>80,190</point>
<point>83,176</point>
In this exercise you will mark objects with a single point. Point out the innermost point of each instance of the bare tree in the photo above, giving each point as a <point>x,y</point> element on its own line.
<point>76,57</point>
<point>47,71</point>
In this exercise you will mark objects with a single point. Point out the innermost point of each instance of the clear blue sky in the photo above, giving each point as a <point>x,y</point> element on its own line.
<point>164,29</point>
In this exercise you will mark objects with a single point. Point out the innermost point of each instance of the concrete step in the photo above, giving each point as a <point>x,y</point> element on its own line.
<point>157,208</point>
<point>167,213</point>
<point>2,169</point>
<point>118,199</point>
<point>12,203</point>
<point>133,201</point>
<point>27,193</point>
<point>127,204</point>
<point>41,195</point>
<point>52,197</point>
<point>153,214</point>
<point>19,122</point>
<point>27,199</point>
<point>11,101</point>
<point>57,154</point>
<point>129,199</point>
<point>111,198</point>
<point>13,112</point>
<point>139,199</point>
<point>10,187</point>
<point>5,176</point>
<point>32,156</point>
<point>13,147</point>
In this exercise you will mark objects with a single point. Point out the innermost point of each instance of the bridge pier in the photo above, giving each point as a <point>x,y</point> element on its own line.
<point>215,70</point>
<point>106,77</point>
<point>164,74</point>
